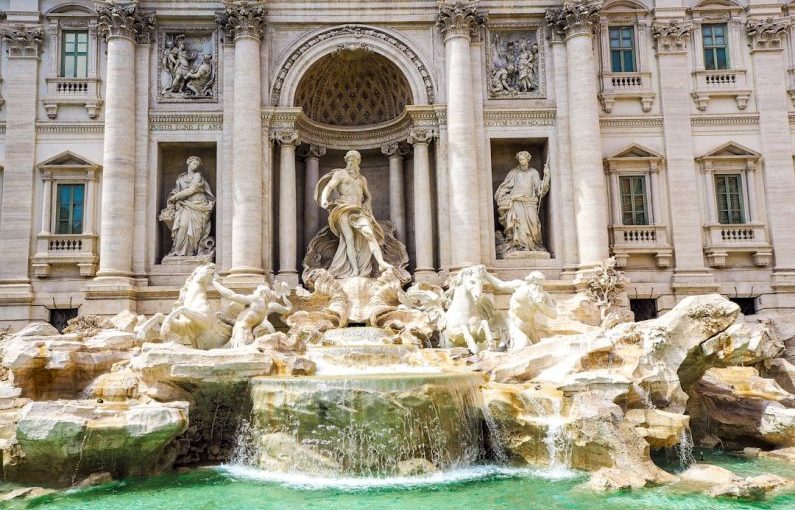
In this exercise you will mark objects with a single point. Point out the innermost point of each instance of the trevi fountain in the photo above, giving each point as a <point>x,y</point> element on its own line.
<point>366,380</point>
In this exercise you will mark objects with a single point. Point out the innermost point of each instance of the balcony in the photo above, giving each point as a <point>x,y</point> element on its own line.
<point>723,83</point>
<point>751,238</point>
<point>61,249</point>
<point>627,240</point>
<point>626,86</point>
<point>72,91</point>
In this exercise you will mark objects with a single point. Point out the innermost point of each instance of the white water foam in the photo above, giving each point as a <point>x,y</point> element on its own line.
<point>314,482</point>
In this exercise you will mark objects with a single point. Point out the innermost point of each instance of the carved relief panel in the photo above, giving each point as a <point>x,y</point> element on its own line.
<point>515,60</point>
<point>187,65</point>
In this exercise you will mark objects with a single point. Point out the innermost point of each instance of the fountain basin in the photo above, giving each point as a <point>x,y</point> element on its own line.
<point>366,425</point>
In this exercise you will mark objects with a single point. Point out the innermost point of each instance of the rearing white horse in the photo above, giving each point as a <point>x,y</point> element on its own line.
<point>471,318</point>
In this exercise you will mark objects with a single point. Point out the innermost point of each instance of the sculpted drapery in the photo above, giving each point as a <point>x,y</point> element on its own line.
<point>518,201</point>
<point>188,214</point>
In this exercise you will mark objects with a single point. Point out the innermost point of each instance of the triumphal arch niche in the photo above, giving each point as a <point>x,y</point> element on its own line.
<point>356,88</point>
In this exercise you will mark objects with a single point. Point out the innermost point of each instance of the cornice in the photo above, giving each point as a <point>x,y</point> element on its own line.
<point>186,122</point>
<point>647,121</point>
<point>742,119</point>
<point>70,127</point>
<point>503,117</point>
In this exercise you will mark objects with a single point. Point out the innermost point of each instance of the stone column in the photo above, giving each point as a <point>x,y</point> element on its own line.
<point>690,273</point>
<point>423,214</point>
<point>244,22</point>
<point>397,196</point>
<point>575,22</point>
<point>311,176</point>
<point>458,19</point>
<point>288,220</point>
<point>770,72</point>
<point>120,24</point>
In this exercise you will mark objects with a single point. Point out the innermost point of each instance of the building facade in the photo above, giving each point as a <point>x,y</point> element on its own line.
<point>666,131</point>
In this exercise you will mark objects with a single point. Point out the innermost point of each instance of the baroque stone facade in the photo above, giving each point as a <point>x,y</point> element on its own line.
<point>666,131</point>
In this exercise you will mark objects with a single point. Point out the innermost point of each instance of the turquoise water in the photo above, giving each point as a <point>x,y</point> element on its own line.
<point>480,488</point>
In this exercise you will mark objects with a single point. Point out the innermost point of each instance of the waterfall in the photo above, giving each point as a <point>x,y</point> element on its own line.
<point>684,449</point>
<point>557,440</point>
<point>364,425</point>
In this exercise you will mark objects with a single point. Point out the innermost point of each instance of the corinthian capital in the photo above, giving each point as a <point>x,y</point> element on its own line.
<point>22,40</point>
<point>672,36</point>
<point>242,19</point>
<point>124,19</point>
<point>578,17</point>
<point>460,17</point>
<point>767,34</point>
<point>421,135</point>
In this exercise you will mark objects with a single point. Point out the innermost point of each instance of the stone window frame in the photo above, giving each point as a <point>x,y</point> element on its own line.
<point>69,249</point>
<point>730,82</point>
<point>653,238</point>
<point>749,237</point>
<point>64,91</point>
<point>631,85</point>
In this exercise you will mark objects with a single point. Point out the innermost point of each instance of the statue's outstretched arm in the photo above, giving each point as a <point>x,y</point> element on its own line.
<point>498,284</point>
<point>230,294</point>
<point>332,184</point>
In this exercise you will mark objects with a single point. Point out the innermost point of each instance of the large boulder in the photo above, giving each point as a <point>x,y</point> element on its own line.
<point>61,366</point>
<point>737,404</point>
<point>61,442</point>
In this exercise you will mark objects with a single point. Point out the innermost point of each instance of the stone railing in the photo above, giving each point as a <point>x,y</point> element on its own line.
<point>635,85</point>
<point>72,91</point>
<point>721,83</point>
<point>627,240</point>
<point>65,249</point>
<point>751,238</point>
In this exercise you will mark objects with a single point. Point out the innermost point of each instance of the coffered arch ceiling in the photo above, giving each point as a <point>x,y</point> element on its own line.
<point>353,87</point>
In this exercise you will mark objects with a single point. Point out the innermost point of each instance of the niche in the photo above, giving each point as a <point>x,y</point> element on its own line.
<point>503,160</point>
<point>172,158</point>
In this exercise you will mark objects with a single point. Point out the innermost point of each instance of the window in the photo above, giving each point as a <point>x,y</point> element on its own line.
<point>644,309</point>
<point>715,47</point>
<point>622,49</point>
<point>74,54</point>
<point>728,188</point>
<point>633,200</point>
<point>69,207</point>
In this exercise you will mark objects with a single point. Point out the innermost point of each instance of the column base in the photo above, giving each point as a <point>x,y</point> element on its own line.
<point>426,275</point>
<point>288,277</point>
<point>109,295</point>
<point>245,277</point>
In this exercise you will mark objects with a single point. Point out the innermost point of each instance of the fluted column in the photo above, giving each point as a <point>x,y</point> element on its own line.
<point>458,19</point>
<point>244,22</point>
<point>121,24</point>
<point>311,176</point>
<point>288,221</point>
<point>767,38</point>
<point>397,195</point>
<point>575,22</point>
<point>423,215</point>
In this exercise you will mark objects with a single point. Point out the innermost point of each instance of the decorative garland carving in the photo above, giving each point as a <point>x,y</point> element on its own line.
<point>242,19</point>
<point>347,31</point>
<point>767,34</point>
<point>580,17</point>
<point>124,20</point>
<point>671,37</point>
<point>460,17</point>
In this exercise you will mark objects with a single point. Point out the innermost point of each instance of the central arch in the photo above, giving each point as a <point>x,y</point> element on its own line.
<point>316,45</point>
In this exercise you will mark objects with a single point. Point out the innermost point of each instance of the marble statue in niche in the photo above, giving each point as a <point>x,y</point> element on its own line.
<point>514,64</point>
<point>187,67</point>
<point>354,244</point>
<point>188,214</point>
<point>518,201</point>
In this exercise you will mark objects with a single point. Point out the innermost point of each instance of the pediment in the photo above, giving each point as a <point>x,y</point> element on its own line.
<point>624,6</point>
<point>730,150</point>
<point>636,152</point>
<point>68,159</point>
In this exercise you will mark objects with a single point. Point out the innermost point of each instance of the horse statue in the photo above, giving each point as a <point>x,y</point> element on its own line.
<point>192,321</point>
<point>471,318</point>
